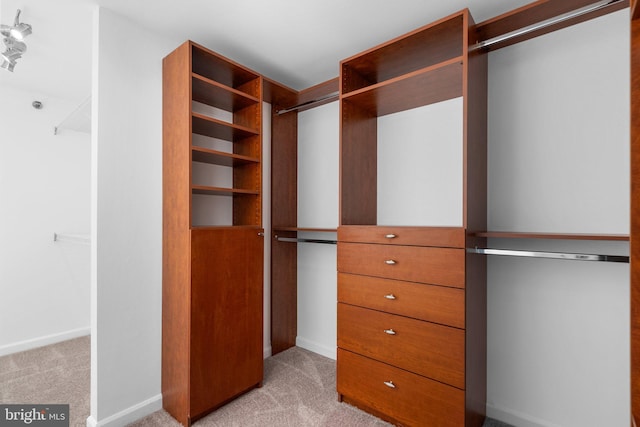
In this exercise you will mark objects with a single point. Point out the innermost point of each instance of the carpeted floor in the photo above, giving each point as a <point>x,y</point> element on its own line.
<point>58,373</point>
<point>298,390</point>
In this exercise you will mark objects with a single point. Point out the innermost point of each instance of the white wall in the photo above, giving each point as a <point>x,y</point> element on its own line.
<point>44,188</point>
<point>126,220</point>
<point>318,156</point>
<point>558,331</point>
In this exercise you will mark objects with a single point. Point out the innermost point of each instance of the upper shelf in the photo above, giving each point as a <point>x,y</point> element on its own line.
<point>214,67</point>
<point>208,126</point>
<point>218,95</point>
<point>420,49</point>
<point>422,87</point>
<point>213,157</point>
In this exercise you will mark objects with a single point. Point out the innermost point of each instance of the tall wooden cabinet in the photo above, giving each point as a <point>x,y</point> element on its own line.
<point>212,321</point>
<point>411,301</point>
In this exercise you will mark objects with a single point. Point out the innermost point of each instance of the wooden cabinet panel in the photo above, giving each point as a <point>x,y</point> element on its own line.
<point>428,349</point>
<point>436,304</point>
<point>439,266</point>
<point>226,315</point>
<point>412,401</point>
<point>446,237</point>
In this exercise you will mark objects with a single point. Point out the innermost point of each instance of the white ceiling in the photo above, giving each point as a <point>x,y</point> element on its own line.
<point>296,42</point>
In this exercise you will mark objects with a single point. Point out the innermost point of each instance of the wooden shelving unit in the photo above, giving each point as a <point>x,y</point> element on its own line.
<point>212,275</point>
<point>424,67</point>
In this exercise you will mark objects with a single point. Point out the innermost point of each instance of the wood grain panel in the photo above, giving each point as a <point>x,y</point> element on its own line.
<point>437,304</point>
<point>635,218</point>
<point>358,165</point>
<point>424,348</point>
<point>226,315</point>
<point>284,212</point>
<point>422,87</point>
<point>213,66</point>
<point>176,303</point>
<point>217,95</point>
<point>318,91</point>
<point>438,266</point>
<point>452,237</point>
<point>415,400</point>
<point>421,48</point>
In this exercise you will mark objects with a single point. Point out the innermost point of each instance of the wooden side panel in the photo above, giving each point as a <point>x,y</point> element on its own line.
<point>635,218</point>
<point>284,213</point>
<point>475,219</point>
<point>176,275</point>
<point>358,165</point>
<point>475,138</point>
<point>413,401</point>
<point>226,316</point>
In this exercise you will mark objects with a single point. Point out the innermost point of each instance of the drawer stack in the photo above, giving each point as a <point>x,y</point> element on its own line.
<point>401,323</point>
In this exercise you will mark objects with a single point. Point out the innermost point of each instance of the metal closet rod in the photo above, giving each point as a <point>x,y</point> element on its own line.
<point>300,240</point>
<point>551,255</point>
<point>306,104</point>
<point>543,24</point>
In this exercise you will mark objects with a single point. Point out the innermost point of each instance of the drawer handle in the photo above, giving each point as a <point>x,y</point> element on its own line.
<point>390,384</point>
<point>390,262</point>
<point>389,332</point>
<point>390,236</point>
<point>390,296</point>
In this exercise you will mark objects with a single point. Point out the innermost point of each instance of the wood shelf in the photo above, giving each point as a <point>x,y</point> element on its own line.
<point>426,46</point>
<point>217,95</point>
<point>557,236</point>
<point>307,229</point>
<point>212,66</point>
<point>208,126</point>
<point>220,191</point>
<point>213,157</point>
<point>422,87</point>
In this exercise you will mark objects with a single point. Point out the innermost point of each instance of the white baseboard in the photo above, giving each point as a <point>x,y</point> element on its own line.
<point>323,350</point>
<point>266,352</point>
<point>129,415</point>
<point>42,341</point>
<point>516,418</point>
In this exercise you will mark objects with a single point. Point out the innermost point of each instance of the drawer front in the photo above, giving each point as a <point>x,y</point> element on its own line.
<point>410,399</point>
<point>436,304</point>
<point>428,349</point>
<point>438,266</point>
<point>446,237</point>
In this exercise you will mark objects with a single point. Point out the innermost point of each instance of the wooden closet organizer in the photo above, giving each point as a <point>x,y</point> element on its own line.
<point>411,331</point>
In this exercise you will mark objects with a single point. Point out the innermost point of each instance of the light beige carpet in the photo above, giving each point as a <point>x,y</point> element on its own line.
<point>58,373</point>
<point>298,390</point>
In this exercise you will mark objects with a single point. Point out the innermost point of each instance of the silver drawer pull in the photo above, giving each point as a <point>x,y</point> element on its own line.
<point>389,332</point>
<point>390,236</point>
<point>390,384</point>
<point>390,262</point>
<point>390,296</point>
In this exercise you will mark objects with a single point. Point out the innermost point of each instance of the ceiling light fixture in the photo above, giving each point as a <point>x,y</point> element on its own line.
<point>14,46</point>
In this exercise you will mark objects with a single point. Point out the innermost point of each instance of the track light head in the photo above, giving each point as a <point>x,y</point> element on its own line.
<point>15,47</point>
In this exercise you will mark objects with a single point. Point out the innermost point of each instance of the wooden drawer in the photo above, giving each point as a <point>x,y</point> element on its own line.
<point>446,237</point>
<point>424,348</point>
<point>438,266</point>
<point>437,304</point>
<point>412,401</point>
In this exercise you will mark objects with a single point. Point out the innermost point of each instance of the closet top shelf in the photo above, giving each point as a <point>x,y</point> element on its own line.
<point>419,49</point>
<point>217,95</point>
<point>422,87</point>
<point>558,236</point>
